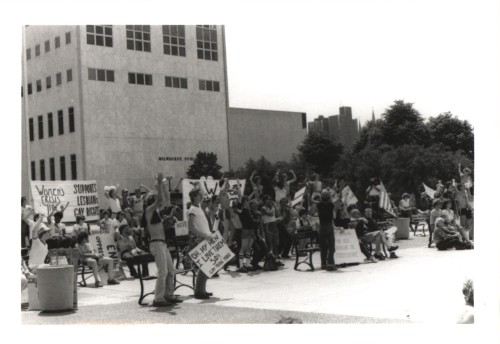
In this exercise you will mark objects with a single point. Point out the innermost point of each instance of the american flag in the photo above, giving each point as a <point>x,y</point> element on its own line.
<point>385,201</point>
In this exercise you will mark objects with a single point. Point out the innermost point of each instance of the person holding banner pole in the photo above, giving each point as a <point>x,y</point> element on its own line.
<point>198,225</point>
<point>164,288</point>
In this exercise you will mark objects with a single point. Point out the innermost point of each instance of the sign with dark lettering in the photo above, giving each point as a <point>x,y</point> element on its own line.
<point>104,244</point>
<point>211,255</point>
<point>347,247</point>
<point>80,196</point>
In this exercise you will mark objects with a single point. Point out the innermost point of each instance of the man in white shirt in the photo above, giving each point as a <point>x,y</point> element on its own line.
<point>39,248</point>
<point>198,225</point>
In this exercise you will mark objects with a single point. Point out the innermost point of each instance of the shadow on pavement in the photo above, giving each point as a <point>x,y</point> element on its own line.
<point>56,313</point>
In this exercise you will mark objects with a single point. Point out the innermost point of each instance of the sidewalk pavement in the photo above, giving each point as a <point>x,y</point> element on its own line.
<point>423,285</point>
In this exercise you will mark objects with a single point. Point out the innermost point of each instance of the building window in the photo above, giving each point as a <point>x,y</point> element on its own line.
<point>139,37</point>
<point>57,42</point>
<point>33,171</point>
<point>174,40</point>
<point>172,81</point>
<point>69,75</point>
<point>71,115</point>
<point>39,85</point>
<point>206,42</point>
<point>28,54</point>
<point>101,75</point>
<point>50,124</point>
<point>52,168</point>
<point>48,82</point>
<point>209,85</point>
<point>62,164</point>
<point>32,129</point>
<point>68,37</point>
<point>37,50</point>
<point>40,127</point>
<point>30,88</point>
<point>73,166</point>
<point>58,79</point>
<point>42,169</point>
<point>101,35</point>
<point>47,46</point>
<point>140,79</point>
<point>60,120</point>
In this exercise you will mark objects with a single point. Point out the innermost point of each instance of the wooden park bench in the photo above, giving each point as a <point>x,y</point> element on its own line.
<point>304,255</point>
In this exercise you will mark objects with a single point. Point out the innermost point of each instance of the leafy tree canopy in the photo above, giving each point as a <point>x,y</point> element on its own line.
<point>204,165</point>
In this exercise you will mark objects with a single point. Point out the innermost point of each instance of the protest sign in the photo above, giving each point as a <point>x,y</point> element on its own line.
<point>429,191</point>
<point>104,244</point>
<point>181,228</point>
<point>347,247</point>
<point>80,196</point>
<point>299,195</point>
<point>211,255</point>
<point>348,196</point>
<point>210,188</point>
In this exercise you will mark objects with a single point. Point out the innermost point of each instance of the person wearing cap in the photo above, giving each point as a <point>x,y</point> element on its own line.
<point>92,259</point>
<point>164,288</point>
<point>39,248</point>
<point>326,233</point>
<point>198,226</point>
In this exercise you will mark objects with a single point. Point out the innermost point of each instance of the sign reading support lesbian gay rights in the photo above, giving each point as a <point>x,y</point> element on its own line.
<point>210,188</point>
<point>211,255</point>
<point>80,197</point>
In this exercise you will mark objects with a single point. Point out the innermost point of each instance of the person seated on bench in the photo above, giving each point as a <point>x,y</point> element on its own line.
<point>445,238</point>
<point>106,223</point>
<point>90,258</point>
<point>368,231</point>
<point>128,250</point>
<point>450,221</point>
<point>80,225</point>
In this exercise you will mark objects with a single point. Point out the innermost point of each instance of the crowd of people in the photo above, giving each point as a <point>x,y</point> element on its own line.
<point>258,226</point>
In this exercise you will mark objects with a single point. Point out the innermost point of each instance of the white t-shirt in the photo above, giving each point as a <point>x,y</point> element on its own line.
<point>114,205</point>
<point>280,193</point>
<point>56,229</point>
<point>38,252</point>
<point>117,224</point>
<point>34,228</point>
<point>200,220</point>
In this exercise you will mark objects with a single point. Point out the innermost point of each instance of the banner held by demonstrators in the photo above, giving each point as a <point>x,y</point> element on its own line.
<point>348,196</point>
<point>80,196</point>
<point>211,255</point>
<point>297,198</point>
<point>429,191</point>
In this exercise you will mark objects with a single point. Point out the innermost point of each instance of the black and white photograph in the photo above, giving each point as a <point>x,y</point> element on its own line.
<point>255,163</point>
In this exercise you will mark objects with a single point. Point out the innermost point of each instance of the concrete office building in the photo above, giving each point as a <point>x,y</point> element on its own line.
<point>117,103</point>
<point>273,134</point>
<point>342,127</point>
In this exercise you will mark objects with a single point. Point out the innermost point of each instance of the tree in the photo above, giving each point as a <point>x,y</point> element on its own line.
<point>452,133</point>
<point>204,165</point>
<point>402,124</point>
<point>319,152</point>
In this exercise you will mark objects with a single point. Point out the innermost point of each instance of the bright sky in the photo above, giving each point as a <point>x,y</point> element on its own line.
<point>365,54</point>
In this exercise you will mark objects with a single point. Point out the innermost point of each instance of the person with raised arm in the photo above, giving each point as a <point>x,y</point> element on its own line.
<point>257,188</point>
<point>225,205</point>
<point>198,225</point>
<point>164,288</point>
<point>326,232</point>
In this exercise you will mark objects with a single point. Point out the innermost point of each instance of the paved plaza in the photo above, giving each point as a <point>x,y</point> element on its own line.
<point>404,290</point>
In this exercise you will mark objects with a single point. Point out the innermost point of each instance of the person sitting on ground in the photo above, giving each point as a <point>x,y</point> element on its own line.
<point>92,259</point>
<point>368,231</point>
<point>435,213</point>
<point>106,224</point>
<point>80,225</point>
<point>128,250</point>
<point>450,221</point>
<point>445,238</point>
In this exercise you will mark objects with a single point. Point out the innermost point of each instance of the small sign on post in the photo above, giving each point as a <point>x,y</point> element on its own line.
<point>211,255</point>
<point>181,228</point>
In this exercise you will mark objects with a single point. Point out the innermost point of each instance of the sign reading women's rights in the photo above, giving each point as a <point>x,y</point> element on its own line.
<point>211,255</point>
<point>80,196</point>
<point>210,188</point>
<point>347,249</point>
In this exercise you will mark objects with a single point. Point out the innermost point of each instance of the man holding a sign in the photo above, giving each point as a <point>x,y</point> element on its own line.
<point>198,225</point>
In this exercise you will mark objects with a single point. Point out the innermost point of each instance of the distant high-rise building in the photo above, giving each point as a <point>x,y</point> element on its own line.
<point>343,128</point>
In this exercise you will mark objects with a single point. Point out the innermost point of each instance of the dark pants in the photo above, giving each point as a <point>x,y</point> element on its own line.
<point>285,242</point>
<point>326,244</point>
<point>200,286</point>
<point>25,232</point>
<point>259,251</point>
<point>450,243</point>
<point>364,249</point>
<point>272,238</point>
<point>127,257</point>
